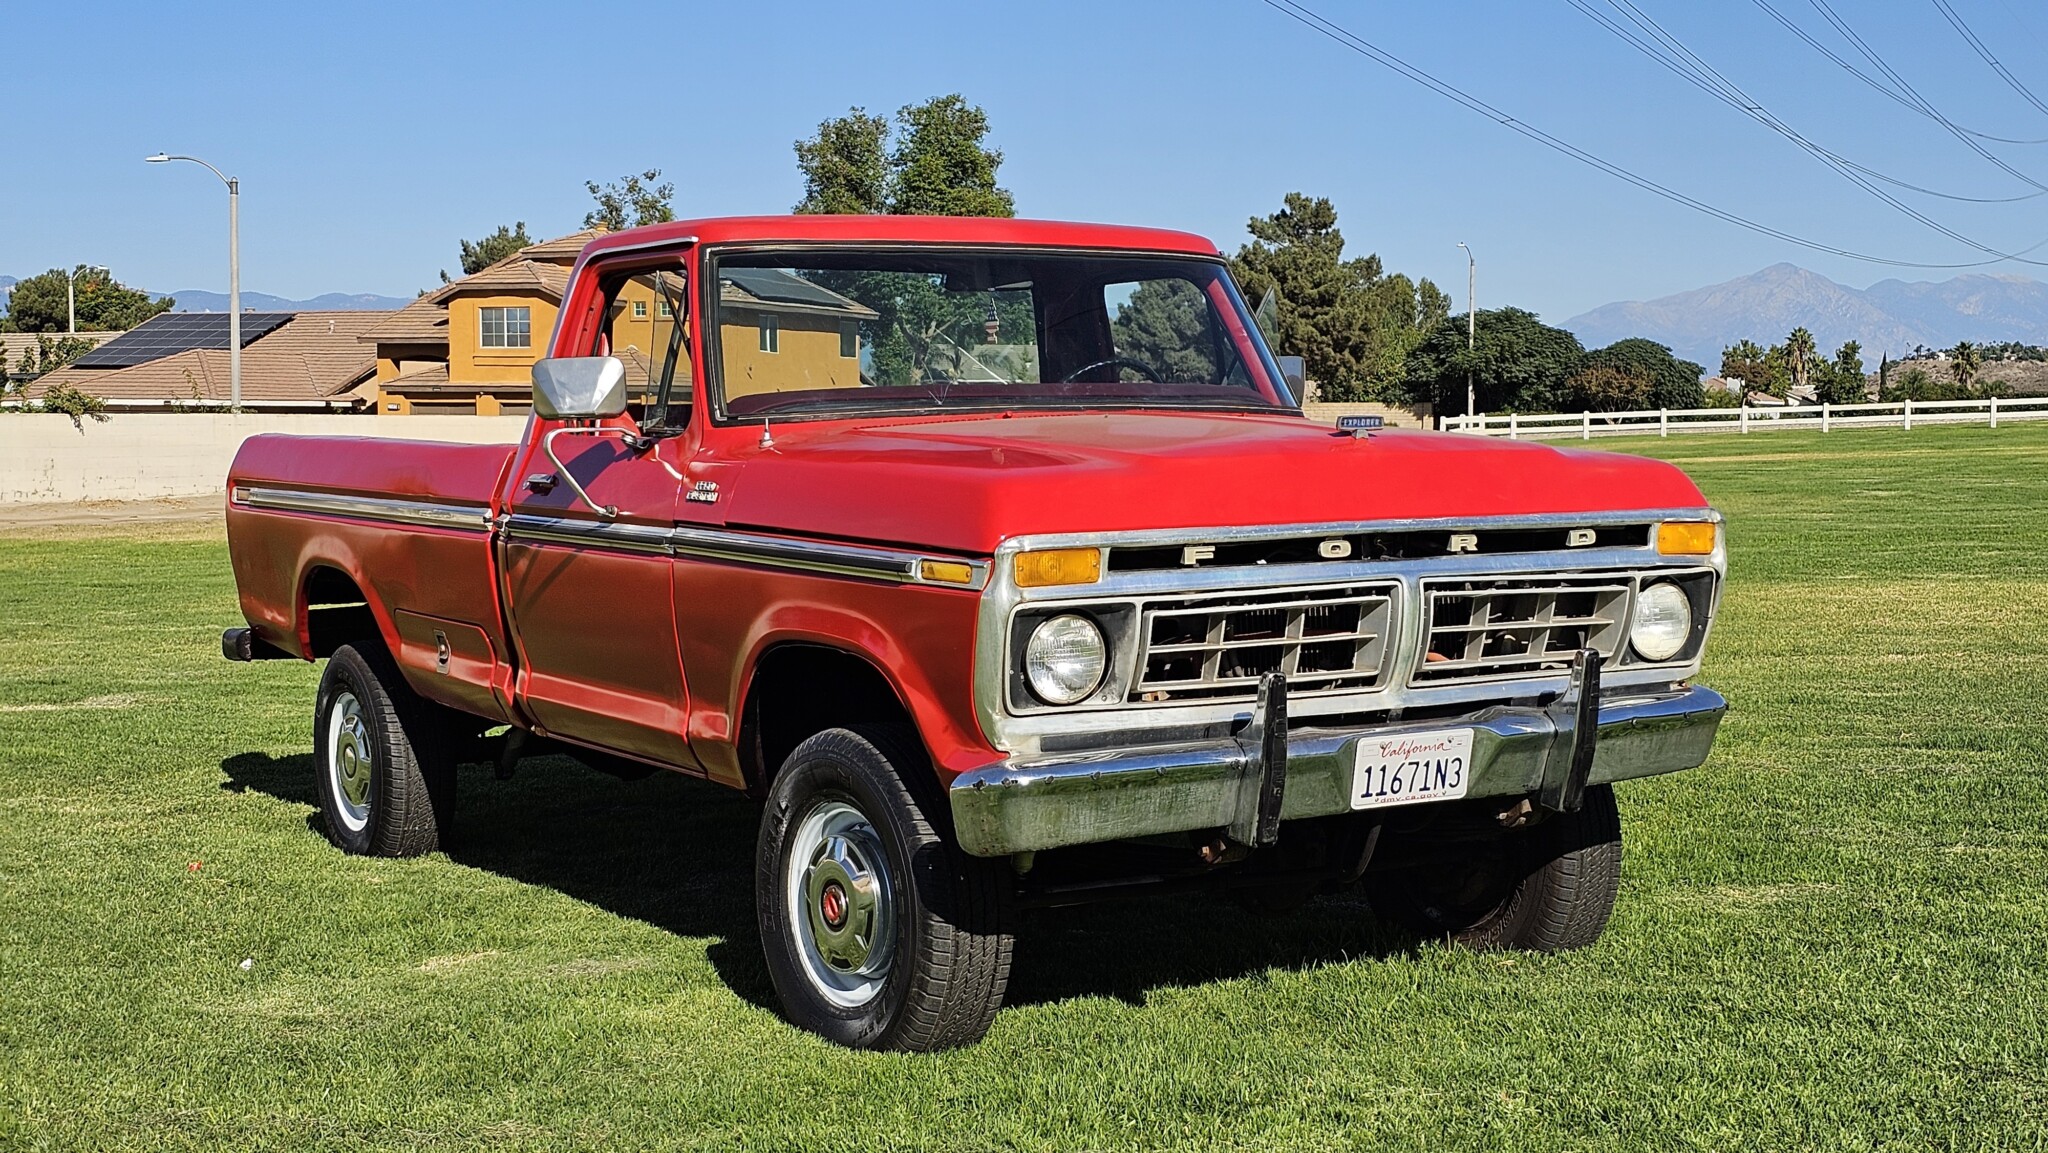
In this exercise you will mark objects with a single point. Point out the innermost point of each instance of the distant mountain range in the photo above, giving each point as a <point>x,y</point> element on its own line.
<point>195,300</point>
<point>1889,317</point>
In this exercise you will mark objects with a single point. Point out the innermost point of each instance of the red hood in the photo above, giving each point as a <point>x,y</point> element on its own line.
<point>963,484</point>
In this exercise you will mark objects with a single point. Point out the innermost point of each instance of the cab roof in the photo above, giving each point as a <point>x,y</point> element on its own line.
<point>965,230</point>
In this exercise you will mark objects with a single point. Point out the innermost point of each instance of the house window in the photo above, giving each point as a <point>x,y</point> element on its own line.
<point>639,310</point>
<point>771,334</point>
<point>849,338</point>
<point>507,327</point>
<point>662,310</point>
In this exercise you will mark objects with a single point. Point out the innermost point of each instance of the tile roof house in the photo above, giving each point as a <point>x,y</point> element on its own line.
<point>469,346</point>
<point>310,361</point>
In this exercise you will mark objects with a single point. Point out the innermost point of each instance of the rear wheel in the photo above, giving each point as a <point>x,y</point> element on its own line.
<point>878,932</point>
<point>386,780</point>
<point>1547,888</point>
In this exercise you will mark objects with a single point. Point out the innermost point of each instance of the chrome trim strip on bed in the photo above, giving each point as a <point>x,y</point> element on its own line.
<point>392,510</point>
<point>860,561</point>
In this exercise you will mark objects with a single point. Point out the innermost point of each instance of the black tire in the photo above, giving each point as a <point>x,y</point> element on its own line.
<point>946,931</point>
<point>1547,888</point>
<point>383,769</point>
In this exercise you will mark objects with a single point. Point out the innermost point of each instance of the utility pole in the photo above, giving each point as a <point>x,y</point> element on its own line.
<point>71,296</point>
<point>1471,322</point>
<point>234,273</point>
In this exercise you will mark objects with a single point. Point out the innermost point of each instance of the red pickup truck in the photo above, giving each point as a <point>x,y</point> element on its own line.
<point>997,559</point>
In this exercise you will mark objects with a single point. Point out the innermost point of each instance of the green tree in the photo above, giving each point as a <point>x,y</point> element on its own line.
<point>1963,363</point>
<point>939,165</point>
<point>932,162</point>
<point>1842,381</point>
<point>1744,361</point>
<point>846,166</point>
<point>1800,355</point>
<point>1673,383</point>
<point>1165,323</point>
<point>1519,364</point>
<point>1351,323</point>
<point>1916,383</point>
<point>634,200</point>
<point>478,255</point>
<point>1608,388</point>
<point>40,303</point>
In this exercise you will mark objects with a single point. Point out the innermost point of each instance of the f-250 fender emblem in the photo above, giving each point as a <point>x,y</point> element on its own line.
<point>703,492</point>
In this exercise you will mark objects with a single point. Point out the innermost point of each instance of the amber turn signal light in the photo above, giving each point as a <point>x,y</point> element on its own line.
<point>1059,566</point>
<point>951,572</point>
<point>1686,537</point>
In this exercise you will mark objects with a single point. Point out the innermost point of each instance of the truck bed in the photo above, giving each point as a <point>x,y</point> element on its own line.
<point>315,522</point>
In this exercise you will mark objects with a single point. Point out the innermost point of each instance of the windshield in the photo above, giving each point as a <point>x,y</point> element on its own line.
<point>836,331</point>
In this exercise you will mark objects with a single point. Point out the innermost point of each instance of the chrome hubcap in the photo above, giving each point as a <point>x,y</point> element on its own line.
<point>839,888</point>
<point>349,760</point>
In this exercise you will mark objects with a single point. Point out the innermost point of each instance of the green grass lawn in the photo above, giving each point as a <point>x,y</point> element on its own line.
<point>1834,936</point>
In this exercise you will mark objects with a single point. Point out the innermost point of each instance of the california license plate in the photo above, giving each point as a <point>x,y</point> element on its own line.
<point>1411,768</point>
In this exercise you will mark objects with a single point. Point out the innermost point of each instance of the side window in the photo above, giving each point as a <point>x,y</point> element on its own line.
<point>644,329</point>
<point>1168,326</point>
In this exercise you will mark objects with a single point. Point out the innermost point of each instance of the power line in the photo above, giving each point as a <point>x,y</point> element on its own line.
<point>1299,13</point>
<point>1984,52</point>
<point>1879,85</point>
<point>1870,54</point>
<point>1707,79</point>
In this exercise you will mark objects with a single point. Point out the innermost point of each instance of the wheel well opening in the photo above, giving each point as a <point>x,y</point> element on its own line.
<point>799,690</point>
<point>337,613</point>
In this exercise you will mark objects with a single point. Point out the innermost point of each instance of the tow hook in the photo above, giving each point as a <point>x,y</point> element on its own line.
<point>1519,815</point>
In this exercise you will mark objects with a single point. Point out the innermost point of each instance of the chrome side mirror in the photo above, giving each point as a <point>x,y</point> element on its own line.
<point>579,387</point>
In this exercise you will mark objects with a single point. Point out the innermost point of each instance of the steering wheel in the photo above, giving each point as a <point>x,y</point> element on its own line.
<point>1152,375</point>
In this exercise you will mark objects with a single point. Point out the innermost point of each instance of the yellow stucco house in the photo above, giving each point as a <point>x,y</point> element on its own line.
<point>469,347</point>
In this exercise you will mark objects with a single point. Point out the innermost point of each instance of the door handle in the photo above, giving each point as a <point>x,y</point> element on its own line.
<point>541,482</point>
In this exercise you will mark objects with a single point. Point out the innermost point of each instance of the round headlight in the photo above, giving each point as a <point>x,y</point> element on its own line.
<point>1663,622</point>
<point>1064,659</point>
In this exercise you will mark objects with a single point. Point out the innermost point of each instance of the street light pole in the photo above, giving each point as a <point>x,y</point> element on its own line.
<point>1471,321</point>
<point>234,273</point>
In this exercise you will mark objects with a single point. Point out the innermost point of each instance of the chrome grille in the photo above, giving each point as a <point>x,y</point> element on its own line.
<point>1205,648</point>
<point>1482,629</point>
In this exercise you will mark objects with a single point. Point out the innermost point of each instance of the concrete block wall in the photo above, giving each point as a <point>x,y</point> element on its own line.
<point>145,456</point>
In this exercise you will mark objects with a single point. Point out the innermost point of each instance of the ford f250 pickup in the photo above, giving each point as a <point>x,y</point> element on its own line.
<point>998,560</point>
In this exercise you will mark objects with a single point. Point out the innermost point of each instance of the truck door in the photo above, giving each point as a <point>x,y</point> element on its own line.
<point>588,583</point>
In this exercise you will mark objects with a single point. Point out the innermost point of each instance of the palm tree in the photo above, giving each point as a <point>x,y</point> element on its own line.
<point>1963,362</point>
<point>1799,354</point>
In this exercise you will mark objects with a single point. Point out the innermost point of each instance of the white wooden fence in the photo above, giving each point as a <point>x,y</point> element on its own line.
<point>1902,414</point>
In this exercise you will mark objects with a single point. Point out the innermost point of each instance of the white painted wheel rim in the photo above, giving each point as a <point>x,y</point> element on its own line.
<point>841,904</point>
<point>349,762</point>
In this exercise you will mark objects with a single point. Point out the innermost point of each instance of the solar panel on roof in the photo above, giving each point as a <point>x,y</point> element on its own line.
<point>775,284</point>
<point>170,333</point>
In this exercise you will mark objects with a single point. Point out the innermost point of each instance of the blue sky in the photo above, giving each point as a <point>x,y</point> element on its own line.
<point>369,137</point>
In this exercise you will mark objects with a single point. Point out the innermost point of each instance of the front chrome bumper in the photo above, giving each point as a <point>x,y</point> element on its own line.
<point>1045,802</point>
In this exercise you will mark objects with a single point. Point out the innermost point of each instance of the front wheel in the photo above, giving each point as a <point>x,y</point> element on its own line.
<point>878,932</point>
<point>1548,888</point>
